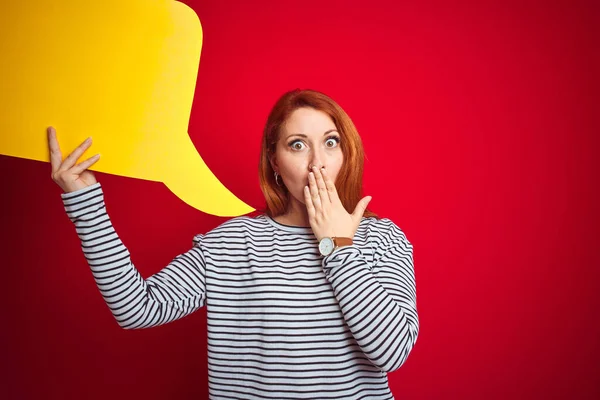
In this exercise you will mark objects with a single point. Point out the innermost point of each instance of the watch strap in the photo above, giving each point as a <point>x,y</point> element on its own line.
<point>342,241</point>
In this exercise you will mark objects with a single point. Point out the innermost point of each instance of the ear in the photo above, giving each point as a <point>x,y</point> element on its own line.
<point>273,161</point>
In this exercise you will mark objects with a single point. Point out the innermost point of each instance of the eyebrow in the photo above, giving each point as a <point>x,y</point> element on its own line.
<point>305,136</point>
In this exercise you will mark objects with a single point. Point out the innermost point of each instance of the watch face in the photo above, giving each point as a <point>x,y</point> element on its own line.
<point>326,246</point>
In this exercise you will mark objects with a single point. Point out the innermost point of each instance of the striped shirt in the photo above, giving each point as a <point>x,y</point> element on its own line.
<point>284,322</point>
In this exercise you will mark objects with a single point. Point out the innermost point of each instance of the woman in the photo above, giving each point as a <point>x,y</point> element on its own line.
<point>312,299</point>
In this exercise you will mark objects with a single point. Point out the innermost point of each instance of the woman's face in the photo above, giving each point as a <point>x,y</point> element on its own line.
<point>308,137</point>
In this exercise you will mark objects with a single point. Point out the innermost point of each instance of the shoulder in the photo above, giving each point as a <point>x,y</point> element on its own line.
<point>240,224</point>
<point>237,227</point>
<point>383,233</point>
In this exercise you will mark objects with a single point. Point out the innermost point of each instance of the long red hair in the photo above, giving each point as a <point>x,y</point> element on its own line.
<point>349,180</point>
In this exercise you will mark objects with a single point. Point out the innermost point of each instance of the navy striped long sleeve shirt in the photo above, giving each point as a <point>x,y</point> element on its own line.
<point>284,322</point>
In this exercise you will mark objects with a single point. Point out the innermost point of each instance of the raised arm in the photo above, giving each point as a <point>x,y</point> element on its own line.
<point>379,301</point>
<point>174,292</point>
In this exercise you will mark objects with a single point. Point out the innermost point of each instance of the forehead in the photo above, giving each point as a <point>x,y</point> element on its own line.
<point>307,121</point>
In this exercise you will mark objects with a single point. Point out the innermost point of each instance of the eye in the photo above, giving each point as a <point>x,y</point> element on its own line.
<point>332,141</point>
<point>296,145</point>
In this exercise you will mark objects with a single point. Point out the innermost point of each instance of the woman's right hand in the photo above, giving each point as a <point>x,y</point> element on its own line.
<point>65,173</point>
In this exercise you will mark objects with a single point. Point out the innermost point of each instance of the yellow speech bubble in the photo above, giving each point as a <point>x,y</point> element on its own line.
<point>123,72</point>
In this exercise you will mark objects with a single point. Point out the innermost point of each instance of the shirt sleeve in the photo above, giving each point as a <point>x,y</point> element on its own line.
<point>174,292</point>
<point>378,301</point>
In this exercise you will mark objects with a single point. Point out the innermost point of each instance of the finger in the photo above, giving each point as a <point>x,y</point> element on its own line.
<point>82,166</point>
<point>314,191</point>
<point>54,149</point>
<point>74,156</point>
<point>309,204</point>
<point>360,208</point>
<point>331,189</point>
<point>323,193</point>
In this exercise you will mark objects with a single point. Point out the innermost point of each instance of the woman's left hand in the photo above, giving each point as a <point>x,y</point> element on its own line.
<point>326,213</point>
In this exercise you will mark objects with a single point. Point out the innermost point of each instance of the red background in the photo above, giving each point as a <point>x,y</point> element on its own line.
<point>479,121</point>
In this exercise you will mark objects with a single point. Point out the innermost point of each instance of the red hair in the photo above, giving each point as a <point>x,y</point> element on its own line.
<point>349,180</point>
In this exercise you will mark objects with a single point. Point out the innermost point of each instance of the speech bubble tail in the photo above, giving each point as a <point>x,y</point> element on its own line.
<point>190,179</point>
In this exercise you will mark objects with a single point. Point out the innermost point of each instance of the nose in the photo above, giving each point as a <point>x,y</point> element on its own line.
<point>316,160</point>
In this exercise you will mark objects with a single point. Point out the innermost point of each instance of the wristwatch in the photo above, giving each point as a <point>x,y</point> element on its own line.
<point>328,244</point>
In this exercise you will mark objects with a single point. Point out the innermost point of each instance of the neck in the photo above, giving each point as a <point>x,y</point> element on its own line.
<point>296,214</point>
